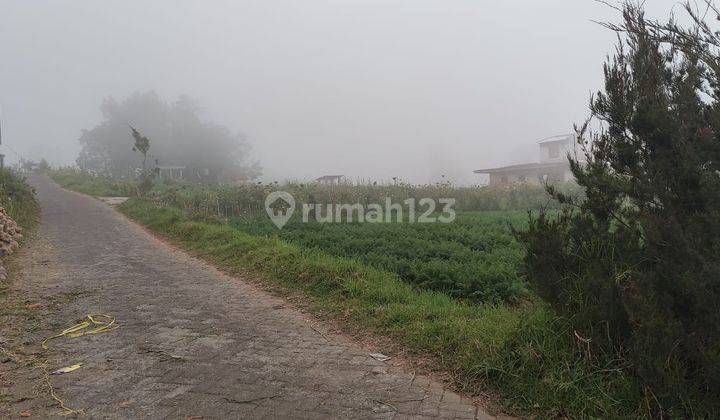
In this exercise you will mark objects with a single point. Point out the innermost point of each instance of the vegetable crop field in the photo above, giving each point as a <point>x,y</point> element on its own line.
<point>476,257</point>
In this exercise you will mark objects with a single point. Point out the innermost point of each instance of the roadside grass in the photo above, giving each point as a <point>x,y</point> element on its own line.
<point>523,351</point>
<point>96,185</point>
<point>18,199</point>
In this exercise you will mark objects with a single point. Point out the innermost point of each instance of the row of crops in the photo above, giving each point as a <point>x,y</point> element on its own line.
<point>476,257</point>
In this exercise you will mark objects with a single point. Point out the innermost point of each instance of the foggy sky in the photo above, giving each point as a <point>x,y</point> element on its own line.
<point>367,88</point>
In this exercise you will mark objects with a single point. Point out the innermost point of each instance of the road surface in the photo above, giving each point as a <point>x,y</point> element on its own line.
<point>193,342</point>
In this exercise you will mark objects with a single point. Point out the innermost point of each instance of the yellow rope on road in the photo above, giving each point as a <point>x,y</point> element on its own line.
<point>102,322</point>
<point>67,411</point>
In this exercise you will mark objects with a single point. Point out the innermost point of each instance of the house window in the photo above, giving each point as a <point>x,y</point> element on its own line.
<point>504,179</point>
<point>522,178</point>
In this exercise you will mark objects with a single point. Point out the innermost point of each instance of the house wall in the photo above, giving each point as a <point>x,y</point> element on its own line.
<point>557,150</point>
<point>531,177</point>
<point>554,152</point>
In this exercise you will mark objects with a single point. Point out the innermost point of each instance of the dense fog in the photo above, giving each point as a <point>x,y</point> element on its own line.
<point>372,89</point>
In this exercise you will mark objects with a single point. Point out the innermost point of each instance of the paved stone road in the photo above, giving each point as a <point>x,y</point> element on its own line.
<point>196,342</point>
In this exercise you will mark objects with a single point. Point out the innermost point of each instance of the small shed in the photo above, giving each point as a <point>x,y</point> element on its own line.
<point>330,179</point>
<point>171,172</point>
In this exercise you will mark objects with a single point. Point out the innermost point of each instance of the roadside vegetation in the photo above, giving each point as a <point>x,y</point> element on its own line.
<point>212,200</point>
<point>523,350</point>
<point>475,258</point>
<point>246,200</point>
<point>18,199</point>
<point>92,184</point>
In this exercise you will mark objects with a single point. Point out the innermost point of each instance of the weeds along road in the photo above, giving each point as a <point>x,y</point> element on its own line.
<point>193,341</point>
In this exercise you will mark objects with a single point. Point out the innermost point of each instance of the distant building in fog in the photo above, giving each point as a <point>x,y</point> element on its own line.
<point>171,172</point>
<point>330,179</point>
<point>553,165</point>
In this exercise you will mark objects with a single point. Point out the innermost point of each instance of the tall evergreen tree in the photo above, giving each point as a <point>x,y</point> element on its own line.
<point>636,264</point>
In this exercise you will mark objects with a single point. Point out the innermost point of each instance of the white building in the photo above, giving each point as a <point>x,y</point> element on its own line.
<point>553,164</point>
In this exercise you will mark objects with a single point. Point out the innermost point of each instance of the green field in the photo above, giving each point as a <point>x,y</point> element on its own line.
<point>523,351</point>
<point>451,292</point>
<point>475,257</point>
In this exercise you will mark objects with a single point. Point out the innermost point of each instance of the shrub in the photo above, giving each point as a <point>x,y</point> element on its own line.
<point>18,198</point>
<point>637,264</point>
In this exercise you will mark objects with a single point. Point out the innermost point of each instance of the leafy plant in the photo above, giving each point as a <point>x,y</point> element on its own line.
<point>147,173</point>
<point>637,264</point>
<point>18,198</point>
<point>475,258</point>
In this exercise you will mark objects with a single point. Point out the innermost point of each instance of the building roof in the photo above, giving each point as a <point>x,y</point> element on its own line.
<point>562,138</point>
<point>524,167</point>
<point>328,177</point>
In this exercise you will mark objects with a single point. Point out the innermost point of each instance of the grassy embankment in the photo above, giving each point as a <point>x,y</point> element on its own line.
<point>18,199</point>
<point>100,186</point>
<point>492,335</point>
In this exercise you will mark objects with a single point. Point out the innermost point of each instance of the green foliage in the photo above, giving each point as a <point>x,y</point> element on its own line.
<point>637,264</point>
<point>525,352</point>
<point>224,201</point>
<point>476,257</point>
<point>148,173</point>
<point>142,145</point>
<point>245,200</point>
<point>92,184</point>
<point>18,199</point>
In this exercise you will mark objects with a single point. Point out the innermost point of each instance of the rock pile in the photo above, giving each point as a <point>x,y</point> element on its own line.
<point>10,234</point>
